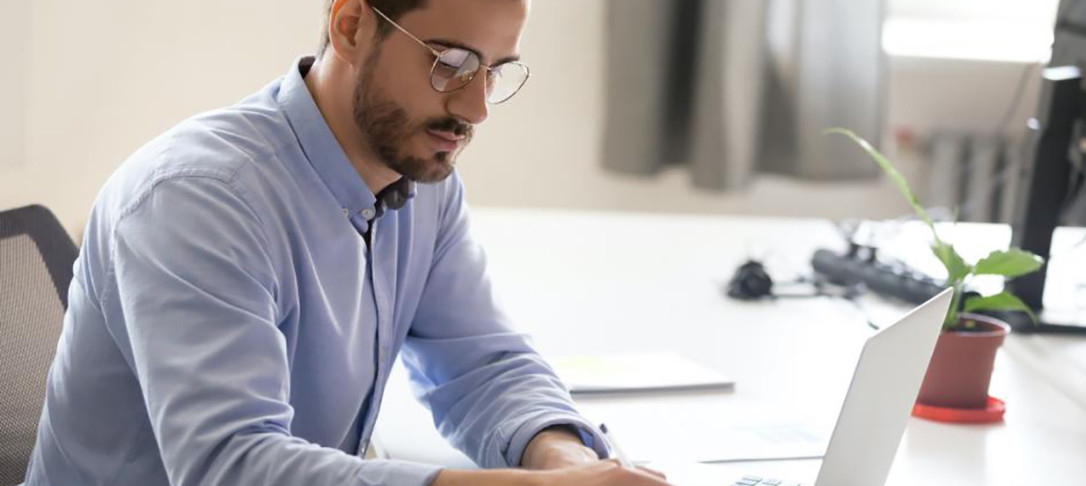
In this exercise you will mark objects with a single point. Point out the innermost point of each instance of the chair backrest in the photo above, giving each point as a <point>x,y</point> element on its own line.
<point>36,258</point>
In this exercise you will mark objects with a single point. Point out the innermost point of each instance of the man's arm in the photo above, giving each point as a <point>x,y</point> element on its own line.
<point>489,391</point>
<point>195,285</point>
<point>555,448</point>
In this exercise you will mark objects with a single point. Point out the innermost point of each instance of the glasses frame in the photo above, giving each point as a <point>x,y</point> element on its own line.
<point>437,57</point>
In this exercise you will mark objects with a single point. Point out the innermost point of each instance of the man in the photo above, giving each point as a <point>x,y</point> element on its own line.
<point>248,278</point>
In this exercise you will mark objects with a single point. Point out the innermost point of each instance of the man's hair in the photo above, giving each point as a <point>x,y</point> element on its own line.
<point>393,8</point>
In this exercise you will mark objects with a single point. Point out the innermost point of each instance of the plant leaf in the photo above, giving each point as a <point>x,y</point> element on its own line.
<point>956,268</point>
<point>1010,263</point>
<point>888,168</point>
<point>1000,301</point>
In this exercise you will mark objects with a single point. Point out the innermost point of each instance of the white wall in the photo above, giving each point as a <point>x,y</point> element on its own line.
<point>14,50</point>
<point>103,77</point>
<point>958,95</point>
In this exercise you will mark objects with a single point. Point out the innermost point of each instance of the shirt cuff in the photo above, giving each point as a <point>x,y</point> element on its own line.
<point>527,431</point>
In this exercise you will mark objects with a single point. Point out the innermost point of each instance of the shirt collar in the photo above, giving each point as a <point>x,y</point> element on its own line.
<point>326,155</point>
<point>394,196</point>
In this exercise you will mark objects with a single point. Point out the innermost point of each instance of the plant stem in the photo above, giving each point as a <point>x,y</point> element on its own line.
<point>952,314</point>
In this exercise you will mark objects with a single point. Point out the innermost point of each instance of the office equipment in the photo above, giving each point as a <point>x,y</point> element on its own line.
<point>630,372</point>
<point>36,257</point>
<point>1057,173</point>
<point>1050,188</point>
<point>888,280</point>
<point>751,281</point>
<point>883,390</point>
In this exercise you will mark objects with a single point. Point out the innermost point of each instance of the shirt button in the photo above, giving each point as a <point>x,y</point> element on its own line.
<point>346,212</point>
<point>368,213</point>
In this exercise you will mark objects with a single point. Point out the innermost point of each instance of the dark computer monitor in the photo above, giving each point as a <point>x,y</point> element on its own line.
<point>1069,49</point>
<point>1055,178</point>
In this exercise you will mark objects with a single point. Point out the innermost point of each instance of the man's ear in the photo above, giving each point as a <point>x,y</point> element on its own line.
<point>350,25</point>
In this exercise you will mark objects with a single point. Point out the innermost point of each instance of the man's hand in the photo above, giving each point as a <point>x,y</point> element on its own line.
<point>599,473</point>
<point>560,447</point>
<point>556,457</point>
<point>556,448</point>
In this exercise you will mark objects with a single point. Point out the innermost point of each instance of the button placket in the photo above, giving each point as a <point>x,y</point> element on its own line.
<point>384,310</point>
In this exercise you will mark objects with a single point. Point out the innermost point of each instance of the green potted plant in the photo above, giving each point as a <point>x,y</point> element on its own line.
<point>961,367</point>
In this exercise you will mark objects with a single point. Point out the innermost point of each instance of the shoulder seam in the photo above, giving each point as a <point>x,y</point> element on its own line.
<point>230,183</point>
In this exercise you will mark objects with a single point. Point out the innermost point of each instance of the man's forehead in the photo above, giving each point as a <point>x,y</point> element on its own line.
<point>491,27</point>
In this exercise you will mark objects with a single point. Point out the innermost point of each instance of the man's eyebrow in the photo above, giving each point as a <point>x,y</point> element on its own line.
<point>452,43</point>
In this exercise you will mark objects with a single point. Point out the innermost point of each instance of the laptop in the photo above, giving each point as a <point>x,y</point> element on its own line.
<point>876,409</point>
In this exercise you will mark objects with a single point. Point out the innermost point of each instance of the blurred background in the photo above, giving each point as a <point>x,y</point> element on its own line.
<point>700,106</point>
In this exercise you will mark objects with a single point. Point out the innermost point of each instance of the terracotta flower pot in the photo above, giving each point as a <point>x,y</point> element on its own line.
<point>961,366</point>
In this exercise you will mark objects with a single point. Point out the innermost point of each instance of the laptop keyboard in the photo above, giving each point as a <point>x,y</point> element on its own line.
<point>757,481</point>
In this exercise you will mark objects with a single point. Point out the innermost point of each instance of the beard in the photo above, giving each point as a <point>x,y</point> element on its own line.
<point>387,129</point>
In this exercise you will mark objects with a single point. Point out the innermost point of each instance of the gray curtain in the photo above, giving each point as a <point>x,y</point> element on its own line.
<point>736,87</point>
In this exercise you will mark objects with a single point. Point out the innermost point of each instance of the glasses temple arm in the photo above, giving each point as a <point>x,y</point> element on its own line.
<point>401,29</point>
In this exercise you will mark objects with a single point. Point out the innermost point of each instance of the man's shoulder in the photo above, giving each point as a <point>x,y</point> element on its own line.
<point>219,142</point>
<point>219,145</point>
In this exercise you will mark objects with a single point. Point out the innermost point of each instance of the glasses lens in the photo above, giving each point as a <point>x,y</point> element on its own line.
<point>504,81</point>
<point>454,69</point>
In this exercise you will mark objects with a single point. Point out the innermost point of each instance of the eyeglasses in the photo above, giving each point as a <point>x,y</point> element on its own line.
<point>454,68</point>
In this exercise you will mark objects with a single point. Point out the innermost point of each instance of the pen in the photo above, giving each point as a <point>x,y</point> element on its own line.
<point>622,459</point>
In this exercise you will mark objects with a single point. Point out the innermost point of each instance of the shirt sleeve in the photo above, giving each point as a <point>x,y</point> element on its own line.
<point>196,287</point>
<point>489,391</point>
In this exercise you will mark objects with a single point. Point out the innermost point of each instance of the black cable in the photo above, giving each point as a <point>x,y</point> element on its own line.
<point>863,312</point>
<point>751,281</point>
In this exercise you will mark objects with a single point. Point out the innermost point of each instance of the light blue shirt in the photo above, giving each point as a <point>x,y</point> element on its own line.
<point>228,325</point>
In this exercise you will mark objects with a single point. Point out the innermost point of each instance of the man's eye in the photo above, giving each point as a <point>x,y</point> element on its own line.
<point>454,57</point>
<point>442,63</point>
<point>446,70</point>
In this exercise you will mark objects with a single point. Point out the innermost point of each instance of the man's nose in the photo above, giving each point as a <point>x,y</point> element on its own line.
<point>469,102</point>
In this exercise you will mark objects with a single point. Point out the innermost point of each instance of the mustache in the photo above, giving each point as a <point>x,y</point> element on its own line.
<point>451,125</point>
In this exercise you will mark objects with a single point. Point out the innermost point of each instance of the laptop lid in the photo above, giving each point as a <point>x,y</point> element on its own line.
<point>877,406</point>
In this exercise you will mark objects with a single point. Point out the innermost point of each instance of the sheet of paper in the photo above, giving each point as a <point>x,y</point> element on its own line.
<point>701,428</point>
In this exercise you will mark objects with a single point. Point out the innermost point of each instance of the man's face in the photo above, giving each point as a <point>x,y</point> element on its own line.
<point>415,130</point>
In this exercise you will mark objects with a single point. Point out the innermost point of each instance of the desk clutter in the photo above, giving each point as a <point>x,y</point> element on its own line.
<point>759,481</point>
<point>790,359</point>
<point>887,259</point>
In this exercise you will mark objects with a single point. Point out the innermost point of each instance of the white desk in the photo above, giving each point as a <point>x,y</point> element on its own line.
<point>584,283</point>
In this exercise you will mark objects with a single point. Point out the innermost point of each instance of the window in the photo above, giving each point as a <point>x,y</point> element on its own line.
<point>996,30</point>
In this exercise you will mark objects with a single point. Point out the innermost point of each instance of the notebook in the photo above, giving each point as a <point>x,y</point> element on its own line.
<point>640,372</point>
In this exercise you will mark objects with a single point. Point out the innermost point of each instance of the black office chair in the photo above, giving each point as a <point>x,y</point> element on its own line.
<point>36,258</point>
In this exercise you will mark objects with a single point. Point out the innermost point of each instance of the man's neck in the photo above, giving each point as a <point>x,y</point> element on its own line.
<point>329,84</point>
